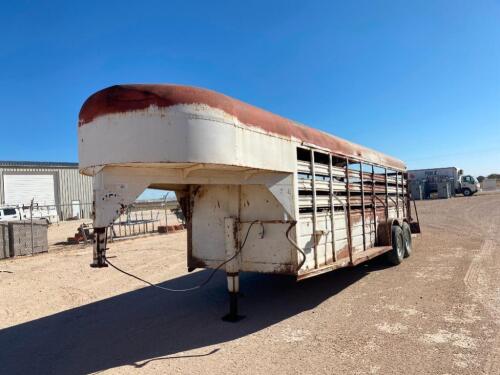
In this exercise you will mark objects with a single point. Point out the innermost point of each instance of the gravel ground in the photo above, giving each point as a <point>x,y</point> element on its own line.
<point>437,313</point>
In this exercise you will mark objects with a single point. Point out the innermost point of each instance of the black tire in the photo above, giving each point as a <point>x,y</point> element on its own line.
<point>397,253</point>
<point>466,192</point>
<point>407,239</point>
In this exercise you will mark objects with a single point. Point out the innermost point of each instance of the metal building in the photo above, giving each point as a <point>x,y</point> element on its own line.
<point>55,185</point>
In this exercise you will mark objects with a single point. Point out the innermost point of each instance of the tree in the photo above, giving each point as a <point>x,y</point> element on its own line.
<point>494,176</point>
<point>481,179</point>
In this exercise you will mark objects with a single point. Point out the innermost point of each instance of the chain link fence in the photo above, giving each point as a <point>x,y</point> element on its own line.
<point>140,218</point>
<point>72,223</point>
<point>147,217</point>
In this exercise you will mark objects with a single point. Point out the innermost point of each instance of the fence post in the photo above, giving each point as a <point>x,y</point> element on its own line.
<point>31,220</point>
<point>152,222</point>
<point>166,216</point>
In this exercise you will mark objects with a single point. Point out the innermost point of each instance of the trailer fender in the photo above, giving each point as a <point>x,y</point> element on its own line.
<point>384,232</point>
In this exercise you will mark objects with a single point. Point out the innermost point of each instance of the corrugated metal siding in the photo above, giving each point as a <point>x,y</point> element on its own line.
<point>71,185</point>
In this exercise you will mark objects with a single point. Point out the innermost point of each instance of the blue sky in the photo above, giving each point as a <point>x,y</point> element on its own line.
<point>419,80</point>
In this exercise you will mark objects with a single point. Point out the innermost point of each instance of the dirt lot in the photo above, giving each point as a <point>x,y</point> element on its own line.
<point>437,313</point>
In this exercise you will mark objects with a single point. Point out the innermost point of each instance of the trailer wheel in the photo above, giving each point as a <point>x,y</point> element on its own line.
<point>407,239</point>
<point>466,192</point>
<point>396,255</point>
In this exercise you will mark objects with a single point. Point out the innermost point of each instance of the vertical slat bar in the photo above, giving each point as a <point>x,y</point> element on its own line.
<point>313,184</point>
<point>386,196</point>
<point>363,221</point>
<point>403,194</point>
<point>403,200</point>
<point>397,194</point>
<point>348,213</point>
<point>388,231</point>
<point>374,208</point>
<point>408,200</point>
<point>332,209</point>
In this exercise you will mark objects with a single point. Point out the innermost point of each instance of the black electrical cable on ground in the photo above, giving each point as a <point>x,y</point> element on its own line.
<point>187,289</point>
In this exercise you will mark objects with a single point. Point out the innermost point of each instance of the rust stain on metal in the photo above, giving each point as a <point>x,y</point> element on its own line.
<point>343,253</point>
<point>194,262</point>
<point>384,233</point>
<point>363,256</point>
<point>126,98</point>
<point>285,269</point>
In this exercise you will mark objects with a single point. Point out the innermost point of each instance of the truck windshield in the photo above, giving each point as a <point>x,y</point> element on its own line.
<point>9,211</point>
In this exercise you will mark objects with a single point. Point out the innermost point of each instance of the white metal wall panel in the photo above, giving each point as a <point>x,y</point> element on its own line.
<point>69,185</point>
<point>266,247</point>
<point>22,188</point>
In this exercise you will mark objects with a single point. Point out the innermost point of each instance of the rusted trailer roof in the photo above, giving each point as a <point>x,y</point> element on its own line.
<point>125,98</point>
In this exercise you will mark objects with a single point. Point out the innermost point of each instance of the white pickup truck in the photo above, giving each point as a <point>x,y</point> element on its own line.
<point>11,214</point>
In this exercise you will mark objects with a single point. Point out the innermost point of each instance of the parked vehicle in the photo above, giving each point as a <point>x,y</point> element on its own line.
<point>461,184</point>
<point>47,213</point>
<point>259,192</point>
<point>11,214</point>
<point>468,185</point>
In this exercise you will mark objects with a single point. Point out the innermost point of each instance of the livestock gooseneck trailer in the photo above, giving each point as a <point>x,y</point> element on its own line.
<point>260,193</point>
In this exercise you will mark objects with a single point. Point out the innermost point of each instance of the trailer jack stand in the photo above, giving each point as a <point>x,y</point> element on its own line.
<point>233,287</point>
<point>99,260</point>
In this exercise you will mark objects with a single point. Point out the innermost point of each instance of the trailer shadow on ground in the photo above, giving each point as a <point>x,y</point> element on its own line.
<point>146,325</point>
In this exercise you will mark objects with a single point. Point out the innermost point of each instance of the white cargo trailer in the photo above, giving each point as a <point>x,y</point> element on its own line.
<point>260,193</point>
